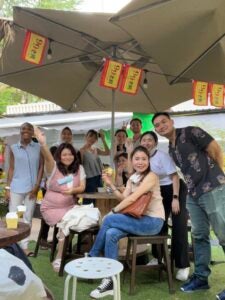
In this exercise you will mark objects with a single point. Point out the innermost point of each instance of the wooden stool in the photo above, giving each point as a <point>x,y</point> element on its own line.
<point>38,243</point>
<point>67,247</point>
<point>133,241</point>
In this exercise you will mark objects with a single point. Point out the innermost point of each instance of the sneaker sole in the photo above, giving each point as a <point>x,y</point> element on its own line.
<point>101,295</point>
<point>192,291</point>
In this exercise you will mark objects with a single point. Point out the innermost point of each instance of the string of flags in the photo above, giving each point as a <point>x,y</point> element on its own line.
<point>123,76</point>
<point>114,71</point>
<point>203,92</point>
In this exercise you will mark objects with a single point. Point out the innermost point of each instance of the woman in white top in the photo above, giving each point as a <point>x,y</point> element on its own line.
<point>117,225</point>
<point>174,201</point>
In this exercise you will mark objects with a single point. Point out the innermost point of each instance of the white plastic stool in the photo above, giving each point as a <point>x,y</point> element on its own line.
<point>93,268</point>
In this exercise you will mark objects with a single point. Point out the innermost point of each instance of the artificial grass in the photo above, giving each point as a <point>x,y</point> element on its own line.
<point>147,285</point>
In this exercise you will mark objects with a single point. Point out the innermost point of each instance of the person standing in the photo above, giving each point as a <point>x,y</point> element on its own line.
<point>92,163</point>
<point>200,159</point>
<point>24,175</point>
<point>135,127</point>
<point>174,194</point>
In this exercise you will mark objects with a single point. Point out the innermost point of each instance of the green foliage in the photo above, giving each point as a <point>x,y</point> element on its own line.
<point>7,6</point>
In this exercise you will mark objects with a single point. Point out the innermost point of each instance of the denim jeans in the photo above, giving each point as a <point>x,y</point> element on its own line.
<point>208,209</point>
<point>117,226</point>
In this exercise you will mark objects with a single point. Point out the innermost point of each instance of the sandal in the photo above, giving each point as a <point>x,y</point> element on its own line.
<point>56,264</point>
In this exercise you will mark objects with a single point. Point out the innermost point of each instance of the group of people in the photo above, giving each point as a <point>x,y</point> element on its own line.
<point>140,168</point>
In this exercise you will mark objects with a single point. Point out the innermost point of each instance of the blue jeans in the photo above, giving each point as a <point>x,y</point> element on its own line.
<point>208,209</point>
<point>117,226</point>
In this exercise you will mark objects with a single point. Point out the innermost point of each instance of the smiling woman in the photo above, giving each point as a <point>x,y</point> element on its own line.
<point>66,179</point>
<point>118,225</point>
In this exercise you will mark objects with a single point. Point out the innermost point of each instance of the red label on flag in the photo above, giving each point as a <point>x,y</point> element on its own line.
<point>217,95</point>
<point>33,48</point>
<point>200,93</point>
<point>111,74</point>
<point>131,80</point>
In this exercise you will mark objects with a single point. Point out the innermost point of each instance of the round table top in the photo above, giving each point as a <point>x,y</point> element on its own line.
<point>93,267</point>
<point>10,236</point>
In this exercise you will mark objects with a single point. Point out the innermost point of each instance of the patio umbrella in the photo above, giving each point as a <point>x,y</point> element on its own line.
<point>79,42</point>
<point>71,78</point>
<point>186,38</point>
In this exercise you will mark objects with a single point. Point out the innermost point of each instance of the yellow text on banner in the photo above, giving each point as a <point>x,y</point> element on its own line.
<point>34,48</point>
<point>217,95</point>
<point>111,72</point>
<point>131,80</point>
<point>200,93</point>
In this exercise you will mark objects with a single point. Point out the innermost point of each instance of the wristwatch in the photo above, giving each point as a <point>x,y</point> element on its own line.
<point>175,196</point>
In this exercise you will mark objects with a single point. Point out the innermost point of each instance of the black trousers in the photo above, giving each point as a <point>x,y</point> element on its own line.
<point>179,245</point>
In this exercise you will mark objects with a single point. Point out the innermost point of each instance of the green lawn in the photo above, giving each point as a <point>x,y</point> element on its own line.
<point>147,288</point>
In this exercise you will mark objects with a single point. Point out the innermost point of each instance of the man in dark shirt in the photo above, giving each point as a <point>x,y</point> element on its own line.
<point>200,159</point>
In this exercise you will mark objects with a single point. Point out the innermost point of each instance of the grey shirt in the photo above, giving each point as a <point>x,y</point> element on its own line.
<point>201,173</point>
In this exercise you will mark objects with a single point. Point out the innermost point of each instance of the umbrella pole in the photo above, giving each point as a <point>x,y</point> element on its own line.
<point>112,129</point>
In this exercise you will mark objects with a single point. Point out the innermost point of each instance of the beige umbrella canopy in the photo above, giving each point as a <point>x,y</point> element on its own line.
<point>186,38</point>
<point>71,78</point>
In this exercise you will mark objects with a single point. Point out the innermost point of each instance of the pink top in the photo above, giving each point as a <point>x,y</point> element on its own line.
<point>55,204</point>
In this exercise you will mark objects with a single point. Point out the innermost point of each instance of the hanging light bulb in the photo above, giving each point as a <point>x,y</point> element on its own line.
<point>49,52</point>
<point>145,81</point>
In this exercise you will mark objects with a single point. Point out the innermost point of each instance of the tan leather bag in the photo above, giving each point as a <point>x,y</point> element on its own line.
<point>139,207</point>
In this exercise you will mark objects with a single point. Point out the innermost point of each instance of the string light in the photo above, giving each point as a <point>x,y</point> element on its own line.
<point>49,53</point>
<point>145,81</point>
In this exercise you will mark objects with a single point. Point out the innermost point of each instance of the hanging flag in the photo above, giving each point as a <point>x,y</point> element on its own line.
<point>131,80</point>
<point>200,93</point>
<point>34,48</point>
<point>217,95</point>
<point>111,74</point>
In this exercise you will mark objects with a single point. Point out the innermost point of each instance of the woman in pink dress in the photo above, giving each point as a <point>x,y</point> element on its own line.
<point>66,178</point>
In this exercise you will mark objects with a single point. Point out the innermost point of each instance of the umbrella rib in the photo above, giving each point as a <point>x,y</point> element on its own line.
<point>61,43</point>
<point>149,99</point>
<point>35,67</point>
<point>137,11</point>
<point>64,26</point>
<point>199,58</point>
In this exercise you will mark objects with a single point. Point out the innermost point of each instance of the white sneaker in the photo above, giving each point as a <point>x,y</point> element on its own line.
<point>104,289</point>
<point>153,262</point>
<point>182,274</point>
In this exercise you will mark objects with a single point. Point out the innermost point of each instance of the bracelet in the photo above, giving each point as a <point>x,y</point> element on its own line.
<point>7,188</point>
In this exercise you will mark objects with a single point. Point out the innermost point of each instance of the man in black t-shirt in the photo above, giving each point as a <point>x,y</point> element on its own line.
<point>200,159</point>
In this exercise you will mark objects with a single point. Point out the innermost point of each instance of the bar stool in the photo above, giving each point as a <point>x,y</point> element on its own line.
<point>131,254</point>
<point>67,252</point>
<point>38,243</point>
<point>93,268</point>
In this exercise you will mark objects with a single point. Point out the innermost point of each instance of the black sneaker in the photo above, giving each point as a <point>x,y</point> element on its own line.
<point>104,289</point>
<point>194,284</point>
<point>221,296</point>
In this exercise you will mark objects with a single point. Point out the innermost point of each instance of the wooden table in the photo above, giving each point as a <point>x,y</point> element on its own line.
<point>10,236</point>
<point>105,202</point>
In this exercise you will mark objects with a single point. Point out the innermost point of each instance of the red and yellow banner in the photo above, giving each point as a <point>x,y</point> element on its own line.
<point>111,74</point>
<point>200,92</point>
<point>217,95</point>
<point>131,80</point>
<point>33,48</point>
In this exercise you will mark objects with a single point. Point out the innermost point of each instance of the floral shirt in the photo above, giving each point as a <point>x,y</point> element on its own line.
<point>201,173</point>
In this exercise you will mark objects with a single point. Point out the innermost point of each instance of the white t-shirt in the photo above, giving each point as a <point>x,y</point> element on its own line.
<point>163,165</point>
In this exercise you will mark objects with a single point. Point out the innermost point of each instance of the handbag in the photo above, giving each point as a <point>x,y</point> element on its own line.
<point>139,207</point>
